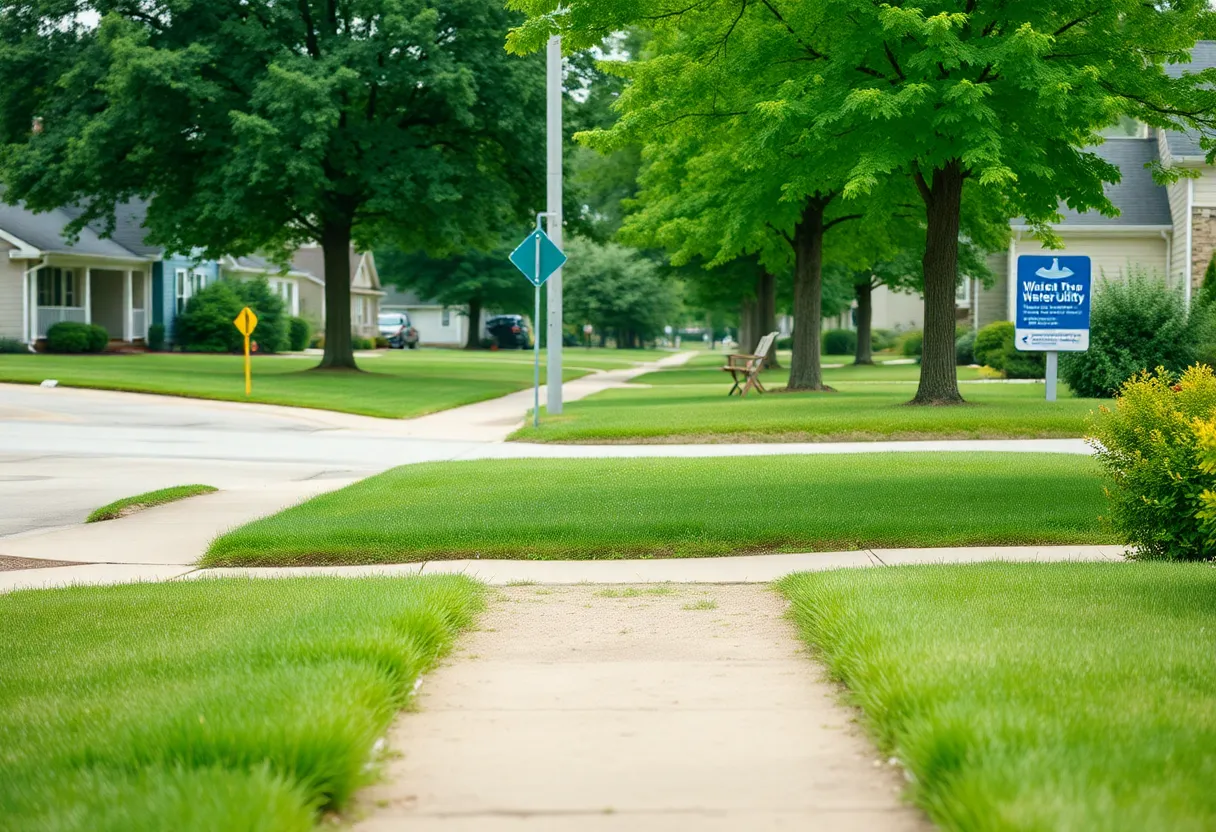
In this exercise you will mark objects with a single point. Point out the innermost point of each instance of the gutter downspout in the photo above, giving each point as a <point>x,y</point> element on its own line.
<point>1188,267</point>
<point>29,332</point>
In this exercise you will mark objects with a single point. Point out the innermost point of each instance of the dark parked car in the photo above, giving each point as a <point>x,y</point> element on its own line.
<point>509,332</point>
<point>396,327</point>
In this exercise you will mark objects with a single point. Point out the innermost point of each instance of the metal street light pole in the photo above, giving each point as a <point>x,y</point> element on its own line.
<point>553,179</point>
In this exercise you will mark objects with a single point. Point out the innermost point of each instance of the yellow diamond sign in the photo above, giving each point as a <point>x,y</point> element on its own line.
<point>246,321</point>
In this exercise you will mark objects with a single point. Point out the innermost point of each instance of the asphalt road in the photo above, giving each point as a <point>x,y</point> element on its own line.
<point>64,452</point>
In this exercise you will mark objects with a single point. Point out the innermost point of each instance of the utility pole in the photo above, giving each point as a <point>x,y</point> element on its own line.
<point>553,180</point>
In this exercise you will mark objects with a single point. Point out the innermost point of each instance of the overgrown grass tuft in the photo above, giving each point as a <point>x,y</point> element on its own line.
<point>1032,696</point>
<point>128,505</point>
<point>618,508</point>
<point>211,704</point>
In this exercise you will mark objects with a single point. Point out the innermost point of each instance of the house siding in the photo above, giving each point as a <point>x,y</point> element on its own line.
<point>1111,254</point>
<point>11,273</point>
<point>994,301</point>
<point>1205,189</point>
<point>164,288</point>
<point>1177,197</point>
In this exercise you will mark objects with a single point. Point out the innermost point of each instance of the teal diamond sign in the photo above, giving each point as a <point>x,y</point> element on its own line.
<point>537,257</point>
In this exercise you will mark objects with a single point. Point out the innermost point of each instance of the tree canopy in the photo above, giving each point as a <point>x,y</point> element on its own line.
<point>618,290</point>
<point>257,125</point>
<point>987,98</point>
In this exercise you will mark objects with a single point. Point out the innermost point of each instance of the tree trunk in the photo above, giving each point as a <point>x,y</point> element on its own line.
<point>943,205</point>
<point>805,370</point>
<point>335,244</point>
<point>766,313</point>
<point>473,340</point>
<point>747,326</point>
<point>865,318</point>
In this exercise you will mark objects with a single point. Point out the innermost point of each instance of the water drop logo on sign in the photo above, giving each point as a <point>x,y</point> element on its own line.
<point>1053,301</point>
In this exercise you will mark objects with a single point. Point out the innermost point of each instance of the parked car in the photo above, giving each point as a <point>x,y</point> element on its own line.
<point>396,327</point>
<point>509,332</point>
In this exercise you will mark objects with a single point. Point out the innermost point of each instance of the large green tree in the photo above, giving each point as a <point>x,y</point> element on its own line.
<point>988,98</point>
<point>259,124</point>
<point>731,169</point>
<point>618,290</point>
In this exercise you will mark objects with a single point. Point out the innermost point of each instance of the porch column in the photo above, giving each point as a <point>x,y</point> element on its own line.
<point>147,284</point>
<point>128,308</point>
<point>31,320</point>
<point>88,295</point>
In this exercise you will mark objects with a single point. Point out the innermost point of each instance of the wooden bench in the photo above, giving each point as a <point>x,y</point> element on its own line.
<point>745,369</point>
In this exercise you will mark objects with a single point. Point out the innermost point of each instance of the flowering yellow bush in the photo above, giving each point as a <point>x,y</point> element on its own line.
<point>1158,449</point>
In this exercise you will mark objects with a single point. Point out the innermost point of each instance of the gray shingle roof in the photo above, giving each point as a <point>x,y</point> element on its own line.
<point>1185,143</point>
<point>1140,200</point>
<point>45,233</point>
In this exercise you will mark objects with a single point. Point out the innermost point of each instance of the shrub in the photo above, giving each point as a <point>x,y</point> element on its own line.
<point>1134,327</point>
<point>839,342</point>
<point>156,338</point>
<point>964,348</point>
<point>912,343</point>
<point>299,332</point>
<point>11,346</point>
<point>381,342</point>
<point>1155,449</point>
<point>358,342</point>
<point>883,339</point>
<point>318,341</point>
<point>995,348</point>
<point>785,342</point>
<point>989,347</point>
<point>99,339</point>
<point>73,337</point>
<point>206,323</point>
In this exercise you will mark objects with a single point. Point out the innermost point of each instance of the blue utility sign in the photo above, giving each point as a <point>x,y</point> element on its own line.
<point>1053,300</point>
<point>537,257</point>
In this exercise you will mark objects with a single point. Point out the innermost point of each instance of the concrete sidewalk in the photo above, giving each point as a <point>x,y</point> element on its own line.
<point>747,569</point>
<point>691,709</point>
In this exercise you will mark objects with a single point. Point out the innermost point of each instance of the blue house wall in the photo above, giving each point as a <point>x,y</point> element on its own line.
<point>164,289</point>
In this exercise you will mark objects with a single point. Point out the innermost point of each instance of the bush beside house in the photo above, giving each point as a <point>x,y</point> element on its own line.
<point>995,348</point>
<point>206,324</point>
<point>1135,326</point>
<point>299,333</point>
<point>71,337</point>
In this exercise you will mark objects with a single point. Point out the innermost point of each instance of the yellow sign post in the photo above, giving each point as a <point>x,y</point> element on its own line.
<point>245,324</point>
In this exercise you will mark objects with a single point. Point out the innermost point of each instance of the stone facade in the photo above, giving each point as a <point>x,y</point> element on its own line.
<point>1203,242</point>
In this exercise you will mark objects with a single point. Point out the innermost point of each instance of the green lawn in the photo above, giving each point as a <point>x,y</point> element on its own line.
<point>396,384</point>
<point>127,505</point>
<point>208,705</point>
<point>604,508</point>
<point>1033,697</point>
<point>870,403</point>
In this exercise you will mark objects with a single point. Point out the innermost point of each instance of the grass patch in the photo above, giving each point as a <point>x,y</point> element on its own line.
<point>634,592</point>
<point>395,384</point>
<point>617,508</point>
<point>703,604</point>
<point>1030,696</point>
<point>870,403</point>
<point>212,704</point>
<point>130,505</point>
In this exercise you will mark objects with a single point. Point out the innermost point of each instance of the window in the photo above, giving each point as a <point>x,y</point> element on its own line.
<point>962,294</point>
<point>447,316</point>
<point>58,287</point>
<point>1125,128</point>
<point>189,283</point>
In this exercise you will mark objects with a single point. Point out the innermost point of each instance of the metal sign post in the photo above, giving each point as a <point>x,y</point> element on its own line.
<point>538,258</point>
<point>553,200</point>
<point>1053,303</point>
<point>245,323</point>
